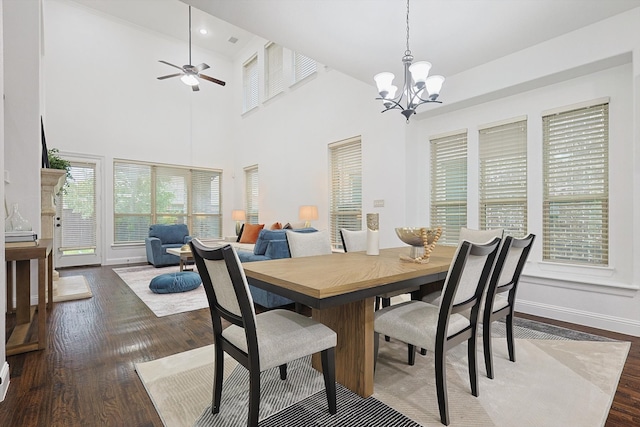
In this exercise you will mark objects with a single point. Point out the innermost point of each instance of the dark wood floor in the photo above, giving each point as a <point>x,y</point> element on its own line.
<point>86,376</point>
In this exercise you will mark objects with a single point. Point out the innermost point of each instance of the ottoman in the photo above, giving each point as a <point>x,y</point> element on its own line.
<point>182,281</point>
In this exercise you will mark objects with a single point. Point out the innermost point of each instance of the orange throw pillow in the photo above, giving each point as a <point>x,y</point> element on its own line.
<point>276,226</point>
<point>250,233</point>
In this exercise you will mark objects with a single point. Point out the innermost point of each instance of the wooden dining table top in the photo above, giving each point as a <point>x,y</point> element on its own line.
<point>318,278</point>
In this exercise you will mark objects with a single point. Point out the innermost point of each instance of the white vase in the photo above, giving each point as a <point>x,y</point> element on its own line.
<point>15,221</point>
<point>373,240</point>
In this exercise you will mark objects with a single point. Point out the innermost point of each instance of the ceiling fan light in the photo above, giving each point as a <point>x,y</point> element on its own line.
<point>189,79</point>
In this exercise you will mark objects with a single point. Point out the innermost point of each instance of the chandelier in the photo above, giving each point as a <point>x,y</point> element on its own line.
<point>419,88</point>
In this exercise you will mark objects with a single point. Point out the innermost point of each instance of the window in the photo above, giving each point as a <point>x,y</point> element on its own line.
<point>273,70</point>
<point>303,67</point>
<point>251,194</point>
<point>345,165</point>
<point>78,211</point>
<point>146,194</point>
<point>503,177</point>
<point>576,185</point>
<point>250,84</point>
<point>449,185</point>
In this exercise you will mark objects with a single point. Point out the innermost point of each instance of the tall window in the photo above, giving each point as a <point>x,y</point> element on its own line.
<point>503,177</point>
<point>251,193</point>
<point>576,185</point>
<point>78,211</point>
<point>146,194</point>
<point>303,67</point>
<point>345,165</point>
<point>449,185</point>
<point>273,70</point>
<point>250,84</point>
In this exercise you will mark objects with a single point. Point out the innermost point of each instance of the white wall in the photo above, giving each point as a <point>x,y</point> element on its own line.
<point>4,366</point>
<point>602,297</point>
<point>103,99</point>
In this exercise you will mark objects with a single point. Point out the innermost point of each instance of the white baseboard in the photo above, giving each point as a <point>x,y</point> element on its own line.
<point>594,320</point>
<point>4,380</point>
<point>129,260</point>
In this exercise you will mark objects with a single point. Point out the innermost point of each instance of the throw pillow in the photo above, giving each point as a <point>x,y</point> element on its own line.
<point>276,226</point>
<point>250,233</point>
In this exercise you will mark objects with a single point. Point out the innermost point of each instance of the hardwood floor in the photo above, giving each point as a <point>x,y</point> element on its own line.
<point>86,376</point>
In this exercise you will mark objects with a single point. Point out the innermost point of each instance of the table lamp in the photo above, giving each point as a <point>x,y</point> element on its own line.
<point>308,213</point>
<point>237,216</point>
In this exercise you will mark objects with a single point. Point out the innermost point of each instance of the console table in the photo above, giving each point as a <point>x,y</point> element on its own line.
<point>20,257</point>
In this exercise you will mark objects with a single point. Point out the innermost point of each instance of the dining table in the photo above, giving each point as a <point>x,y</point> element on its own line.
<point>341,288</point>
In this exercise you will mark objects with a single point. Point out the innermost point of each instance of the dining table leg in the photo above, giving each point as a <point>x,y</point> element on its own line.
<point>353,324</point>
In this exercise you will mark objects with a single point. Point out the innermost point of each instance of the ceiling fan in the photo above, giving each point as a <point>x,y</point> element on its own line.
<point>189,74</point>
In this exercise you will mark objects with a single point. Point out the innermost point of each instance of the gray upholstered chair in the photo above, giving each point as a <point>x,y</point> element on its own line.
<point>506,275</point>
<point>308,244</point>
<point>257,342</point>
<point>441,328</point>
<point>353,241</point>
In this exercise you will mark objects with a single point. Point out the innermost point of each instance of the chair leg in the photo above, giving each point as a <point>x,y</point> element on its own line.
<point>411,354</point>
<point>441,385</point>
<point>218,372</point>
<point>254,398</point>
<point>386,302</point>
<point>488,352</point>
<point>283,372</point>
<point>510,342</point>
<point>473,364</point>
<point>328,358</point>
<point>423,351</point>
<point>376,347</point>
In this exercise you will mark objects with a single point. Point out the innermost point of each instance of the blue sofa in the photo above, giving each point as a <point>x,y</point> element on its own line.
<point>271,244</point>
<point>161,237</point>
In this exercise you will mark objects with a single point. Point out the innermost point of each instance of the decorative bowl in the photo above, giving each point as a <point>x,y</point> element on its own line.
<point>412,236</point>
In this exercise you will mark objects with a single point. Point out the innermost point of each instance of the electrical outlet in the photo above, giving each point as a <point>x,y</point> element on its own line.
<point>378,203</point>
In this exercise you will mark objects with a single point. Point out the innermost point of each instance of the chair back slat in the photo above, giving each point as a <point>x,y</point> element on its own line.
<point>509,265</point>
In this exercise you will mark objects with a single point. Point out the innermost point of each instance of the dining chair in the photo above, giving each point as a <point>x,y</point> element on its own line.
<point>439,329</point>
<point>506,275</point>
<point>308,244</point>
<point>257,342</point>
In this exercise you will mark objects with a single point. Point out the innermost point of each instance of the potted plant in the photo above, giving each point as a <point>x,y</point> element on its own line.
<point>57,162</point>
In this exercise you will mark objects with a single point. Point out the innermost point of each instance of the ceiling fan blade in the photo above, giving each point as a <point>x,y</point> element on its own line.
<point>201,67</point>
<point>169,76</point>
<point>211,79</point>
<point>195,88</point>
<point>171,65</point>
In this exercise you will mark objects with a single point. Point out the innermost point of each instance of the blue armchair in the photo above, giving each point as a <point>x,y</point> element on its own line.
<point>160,238</point>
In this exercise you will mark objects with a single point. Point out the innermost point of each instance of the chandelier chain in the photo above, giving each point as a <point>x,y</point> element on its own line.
<point>408,51</point>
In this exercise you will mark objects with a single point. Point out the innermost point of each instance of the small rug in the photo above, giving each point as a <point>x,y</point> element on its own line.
<point>71,288</point>
<point>138,279</point>
<point>555,381</point>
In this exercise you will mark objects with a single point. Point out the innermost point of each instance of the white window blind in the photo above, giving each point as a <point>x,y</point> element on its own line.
<point>303,67</point>
<point>250,84</point>
<point>146,194</point>
<point>79,210</point>
<point>251,194</point>
<point>273,70</point>
<point>503,178</point>
<point>345,164</point>
<point>449,185</point>
<point>576,186</point>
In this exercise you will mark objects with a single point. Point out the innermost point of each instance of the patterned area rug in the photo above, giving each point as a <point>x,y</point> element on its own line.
<point>138,279</point>
<point>555,381</point>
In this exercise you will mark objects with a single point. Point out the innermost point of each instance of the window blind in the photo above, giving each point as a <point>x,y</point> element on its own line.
<point>576,186</point>
<point>146,194</point>
<point>78,211</point>
<point>250,84</point>
<point>251,194</point>
<point>273,70</point>
<point>503,178</point>
<point>449,185</point>
<point>345,164</point>
<point>303,67</point>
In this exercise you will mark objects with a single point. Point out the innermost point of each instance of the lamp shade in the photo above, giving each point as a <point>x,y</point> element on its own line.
<point>308,213</point>
<point>237,215</point>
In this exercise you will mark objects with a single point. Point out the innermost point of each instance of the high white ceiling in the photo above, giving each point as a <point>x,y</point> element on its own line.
<point>363,37</point>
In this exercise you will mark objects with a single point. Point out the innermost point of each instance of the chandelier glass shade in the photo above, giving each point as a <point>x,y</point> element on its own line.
<point>418,88</point>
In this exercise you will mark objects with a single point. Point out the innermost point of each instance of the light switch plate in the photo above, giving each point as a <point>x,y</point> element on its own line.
<point>378,203</point>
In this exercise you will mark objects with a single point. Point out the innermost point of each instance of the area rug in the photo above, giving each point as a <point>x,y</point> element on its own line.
<point>555,381</point>
<point>138,279</point>
<point>71,288</point>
